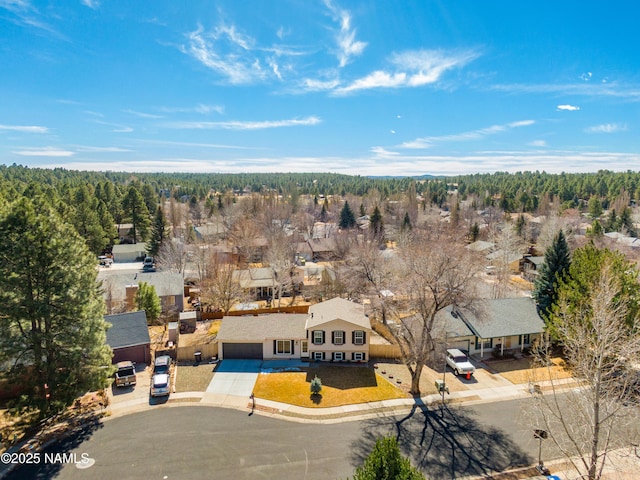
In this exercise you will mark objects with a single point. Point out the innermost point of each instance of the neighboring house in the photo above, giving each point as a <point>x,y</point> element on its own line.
<point>503,257</point>
<point>128,337</point>
<point>338,330</point>
<point>481,246</point>
<point>126,253</point>
<point>335,330</point>
<point>274,336</point>
<point>257,282</point>
<point>210,231</point>
<point>505,324</point>
<point>303,250</point>
<point>119,289</point>
<point>125,232</point>
<point>322,249</point>
<point>530,265</point>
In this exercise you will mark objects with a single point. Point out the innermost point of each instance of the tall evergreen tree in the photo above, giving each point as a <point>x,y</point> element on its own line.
<point>347,218</point>
<point>385,462</point>
<point>158,233</point>
<point>147,299</point>
<point>406,223</point>
<point>556,261</point>
<point>51,309</point>
<point>375,223</point>
<point>134,206</point>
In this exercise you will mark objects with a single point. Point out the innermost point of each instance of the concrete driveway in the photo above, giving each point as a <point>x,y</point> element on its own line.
<point>235,377</point>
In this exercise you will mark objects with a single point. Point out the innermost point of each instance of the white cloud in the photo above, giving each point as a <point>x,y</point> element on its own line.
<point>567,107</point>
<point>89,149</point>
<point>24,128</point>
<point>348,46</point>
<point>587,89</point>
<point>413,68</point>
<point>141,114</point>
<point>44,152</point>
<point>607,128</point>
<point>245,125</point>
<point>117,128</point>
<point>538,143</point>
<point>91,3</point>
<point>428,142</point>
<point>200,108</point>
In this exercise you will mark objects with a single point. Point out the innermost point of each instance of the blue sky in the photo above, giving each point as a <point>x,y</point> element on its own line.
<point>358,87</point>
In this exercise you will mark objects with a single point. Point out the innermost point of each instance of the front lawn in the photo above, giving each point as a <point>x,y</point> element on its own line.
<point>519,371</point>
<point>340,386</point>
<point>193,378</point>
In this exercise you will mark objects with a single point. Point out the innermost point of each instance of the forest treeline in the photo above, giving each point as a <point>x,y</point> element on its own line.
<point>94,202</point>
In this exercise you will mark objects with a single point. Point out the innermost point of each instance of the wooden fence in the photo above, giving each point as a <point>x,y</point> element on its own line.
<point>257,311</point>
<point>384,351</point>
<point>187,353</point>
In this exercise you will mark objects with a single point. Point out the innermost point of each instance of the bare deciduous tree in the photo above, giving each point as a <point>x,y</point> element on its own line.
<point>172,256</point>
<point>599,347</point>
<point>221,290</point>
<point>281,259</point>
<point>434,274</point>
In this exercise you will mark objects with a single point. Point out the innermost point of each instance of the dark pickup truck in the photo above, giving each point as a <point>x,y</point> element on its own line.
<point>125,374</point>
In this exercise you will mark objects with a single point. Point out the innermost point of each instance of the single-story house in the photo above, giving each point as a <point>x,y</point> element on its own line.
<point>119,289</point>
<point>126,252</point>
<point>504,324</point>
<point>530,265</point>
<point>273,336</point>
<point>128,337</point>
<point>210,231</point>
<point>335,330</point>
<point>258,282</point>
<point>322,248</point>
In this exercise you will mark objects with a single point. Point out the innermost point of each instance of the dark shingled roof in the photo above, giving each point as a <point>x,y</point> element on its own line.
<point>127,329</point>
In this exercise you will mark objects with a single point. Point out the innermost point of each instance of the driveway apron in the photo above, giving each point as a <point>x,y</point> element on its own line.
<point>235,377</point>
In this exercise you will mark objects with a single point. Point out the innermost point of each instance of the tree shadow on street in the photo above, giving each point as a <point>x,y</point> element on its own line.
<point>444,442</point>
<point>67,443</point>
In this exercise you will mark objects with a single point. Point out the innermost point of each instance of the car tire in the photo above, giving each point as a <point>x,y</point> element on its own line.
<point>457,372</point>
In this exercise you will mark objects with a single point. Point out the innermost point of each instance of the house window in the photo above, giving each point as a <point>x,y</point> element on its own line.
<point>337,356</point>
<point>318,355</point>
<point>305,346</point>
<point>318,337</point>
<point>338,337</point>
<point>525,339</point>
<point>357,356</point>
<point>283,347</point>
<point>358,337</point>
<point>487,343</point>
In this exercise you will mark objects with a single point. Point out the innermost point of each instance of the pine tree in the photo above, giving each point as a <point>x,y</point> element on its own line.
<point>595,207</point>
<point>134,206</point>
<point>375,223</point>
<point>406,223</point>
<point>158,233</point>
<point>347,218</point>
<point>556,261</point>
<point>51,309</point>
<point>385,462</point>
<point>147,299</point>
<point>521,223</point>
<point>474,232</point>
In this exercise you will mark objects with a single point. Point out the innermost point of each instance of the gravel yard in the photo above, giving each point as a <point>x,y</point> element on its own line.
<point>194,378</point>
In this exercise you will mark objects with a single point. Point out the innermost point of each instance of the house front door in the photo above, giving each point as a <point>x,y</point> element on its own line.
<point>304,349</point>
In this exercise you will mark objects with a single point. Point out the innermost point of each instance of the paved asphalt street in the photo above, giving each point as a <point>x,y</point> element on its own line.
<point>206,442</point>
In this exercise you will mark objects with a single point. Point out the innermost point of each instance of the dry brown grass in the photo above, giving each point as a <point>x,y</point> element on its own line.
<point>519,371</point>
<point>193,378</point>
<point>340,386</point>
<point>214,328</point>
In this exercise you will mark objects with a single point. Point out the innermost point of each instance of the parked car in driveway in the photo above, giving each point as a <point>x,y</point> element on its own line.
<point>160,386</point>
<point>459,362</point>
<point>162,364</point>
<point>125,374</point>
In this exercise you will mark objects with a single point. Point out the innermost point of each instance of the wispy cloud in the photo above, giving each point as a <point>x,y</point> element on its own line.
<point>200,108</point>
<point>245,125</point>
<point>348,46</point>
<point>23,13</point>
<point>199,145</point>
<point>89,149</point>
<point>117,128</point>
<point>91,3</point>
<point>25,128</point>
<point>44,152</point>
<point>567,107</point>
<point>607,128</point>
<point>587,89</point>
<point>428,142</point>
<point>142,114</point>
<point>413,68</point>
<point>538,143</point>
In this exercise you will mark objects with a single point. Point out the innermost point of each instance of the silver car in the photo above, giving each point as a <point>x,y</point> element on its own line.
<point>160,385</point>
<point>459,362</point>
